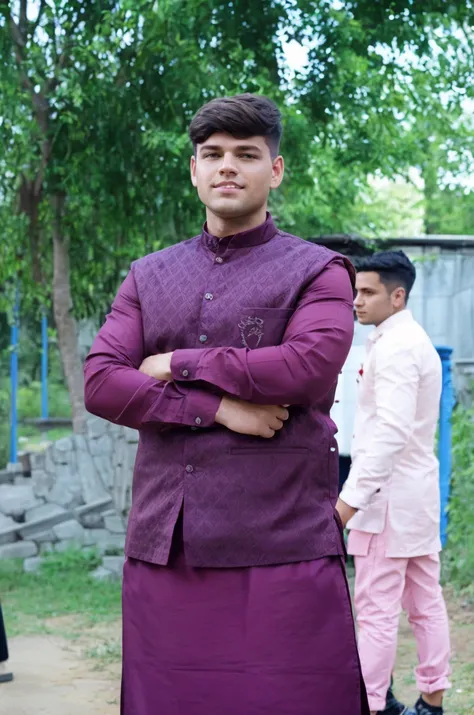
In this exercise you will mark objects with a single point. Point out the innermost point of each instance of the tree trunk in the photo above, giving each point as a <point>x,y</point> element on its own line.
<point>65,322</point>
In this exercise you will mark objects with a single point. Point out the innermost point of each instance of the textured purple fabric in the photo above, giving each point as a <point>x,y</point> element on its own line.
<point>271,640</point>
<point>264,316</point>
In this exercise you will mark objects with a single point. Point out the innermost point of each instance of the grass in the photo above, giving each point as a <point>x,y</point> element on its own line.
<point>63,587</point>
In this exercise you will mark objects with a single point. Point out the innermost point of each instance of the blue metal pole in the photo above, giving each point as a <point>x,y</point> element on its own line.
<point>14,381</point>
<point>444,443</point>
<point>44,367</point>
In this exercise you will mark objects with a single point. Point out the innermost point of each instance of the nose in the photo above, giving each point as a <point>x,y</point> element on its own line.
<point>358,301</point>
<point>228,165</point>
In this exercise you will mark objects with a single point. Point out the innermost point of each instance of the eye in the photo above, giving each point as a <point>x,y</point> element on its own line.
<point>210,155</point>
<point>246,155</point>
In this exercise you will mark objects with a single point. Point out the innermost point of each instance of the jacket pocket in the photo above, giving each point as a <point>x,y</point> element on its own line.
<point>262,327</point>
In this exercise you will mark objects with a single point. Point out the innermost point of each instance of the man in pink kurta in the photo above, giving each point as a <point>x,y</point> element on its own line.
<point>224,352</point>
<point>394,485</point>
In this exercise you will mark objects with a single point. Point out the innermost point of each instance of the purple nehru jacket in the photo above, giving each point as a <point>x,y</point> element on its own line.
<point>263,316</point>
<point>234,596</point>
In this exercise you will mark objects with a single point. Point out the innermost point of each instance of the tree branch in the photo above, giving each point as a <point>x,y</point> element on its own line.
<point>64,57</point>
<point>19,42</point>
<point>38,17</point>
<point>23,22</point>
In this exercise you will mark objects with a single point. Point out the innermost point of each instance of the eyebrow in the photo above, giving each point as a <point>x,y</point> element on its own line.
<point>239,147</point>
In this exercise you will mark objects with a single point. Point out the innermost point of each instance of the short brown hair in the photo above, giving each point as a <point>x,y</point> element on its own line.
<point>242,116</point>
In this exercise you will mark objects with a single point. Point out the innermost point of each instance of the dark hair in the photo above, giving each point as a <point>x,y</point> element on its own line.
<point>242,116</point>
<point>394,268</point>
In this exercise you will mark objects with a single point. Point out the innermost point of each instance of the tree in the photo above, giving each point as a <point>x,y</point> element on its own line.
<point>95,99</point>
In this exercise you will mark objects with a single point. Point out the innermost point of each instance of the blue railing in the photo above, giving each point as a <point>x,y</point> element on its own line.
<point>445,437</point>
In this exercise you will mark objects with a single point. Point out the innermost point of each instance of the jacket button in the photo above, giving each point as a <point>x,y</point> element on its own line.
<point>198,420</point>
<point>208,296</point>
<point>185,373</point>
<point>203,338</point>
<point>189,468</point>
<point>219,259</point>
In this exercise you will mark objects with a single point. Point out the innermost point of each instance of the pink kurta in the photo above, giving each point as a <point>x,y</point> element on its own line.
<point>394,479</point>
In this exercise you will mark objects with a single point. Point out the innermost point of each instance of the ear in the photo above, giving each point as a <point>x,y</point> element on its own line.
<point>399,297</point>
<point>193,170</point>
<point>278,169</point>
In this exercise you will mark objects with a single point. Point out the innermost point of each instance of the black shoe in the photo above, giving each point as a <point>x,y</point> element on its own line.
<point>394,706</point>
<point>6,677</point>
<point>422,708</point>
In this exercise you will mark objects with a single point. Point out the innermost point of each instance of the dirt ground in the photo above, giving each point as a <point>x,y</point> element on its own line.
<point>71,675</point>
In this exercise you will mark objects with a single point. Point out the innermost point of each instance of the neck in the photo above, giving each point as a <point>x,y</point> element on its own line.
<point>221,227</point>
<point>390,315</point>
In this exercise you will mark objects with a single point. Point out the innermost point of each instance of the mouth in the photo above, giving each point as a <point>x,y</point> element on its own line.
<point>228,187</point>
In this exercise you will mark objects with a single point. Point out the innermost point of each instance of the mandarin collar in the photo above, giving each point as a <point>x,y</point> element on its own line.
<point>404,316</point>
<point>244,239</point>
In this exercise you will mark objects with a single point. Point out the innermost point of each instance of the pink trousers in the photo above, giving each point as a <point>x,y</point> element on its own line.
<point>383,586</point>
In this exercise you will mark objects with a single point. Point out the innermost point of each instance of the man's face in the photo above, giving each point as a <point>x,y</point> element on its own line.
<point>374,302</point>
<point>234,176</point>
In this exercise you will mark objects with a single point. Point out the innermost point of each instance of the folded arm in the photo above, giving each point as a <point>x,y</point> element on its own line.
<point>118,392</point>
<point>396,388</point>
<point>303,369</point>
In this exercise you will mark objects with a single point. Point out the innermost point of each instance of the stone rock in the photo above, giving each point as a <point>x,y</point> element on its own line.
<point>32,564</point>
<point>64,446</point>
<point>37,527</point>
<point>92,487</point>
<point>47,536</point>
<point>22,481</point>
<point>6,477</point>
<point>91,515</point>
<point>89,538</point>
<point>103,466</point>
<point>114,524</point>
<point>15,500</point>
<point>120,453</point>
<point>49,461</point>
<point>92,521</point>
<point>105,541</point>
<point>6,522</point>
<point>114,564</point>
<point>46,548</point>
<point>96,427</point>
<point>43,512</point>
<point>18,550</point>
<point>8,529</point>
<point>67,469</point>
<point>67,492</point>
<point>101,574</point>
<point>131,435</point>
<point>42,482</point>
<point>37,461</point>
<point>101,446</point>
<point>70,530</point>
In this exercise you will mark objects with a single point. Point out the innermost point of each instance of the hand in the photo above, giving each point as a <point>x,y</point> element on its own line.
<point>345,511</point>
<point>158,366</point>
<point>247,418</point>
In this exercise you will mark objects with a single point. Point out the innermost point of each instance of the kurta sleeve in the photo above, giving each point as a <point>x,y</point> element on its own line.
<point>118,392</point>
<point>300,371</point>
<point>396,389</point>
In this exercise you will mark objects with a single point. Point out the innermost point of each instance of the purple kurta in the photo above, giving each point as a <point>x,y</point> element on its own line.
<point>270,640</point>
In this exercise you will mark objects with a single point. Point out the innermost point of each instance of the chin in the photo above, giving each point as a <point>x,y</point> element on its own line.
<point>231,209</point>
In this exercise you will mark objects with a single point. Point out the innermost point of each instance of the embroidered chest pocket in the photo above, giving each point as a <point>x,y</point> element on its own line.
<point>262,327</point>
